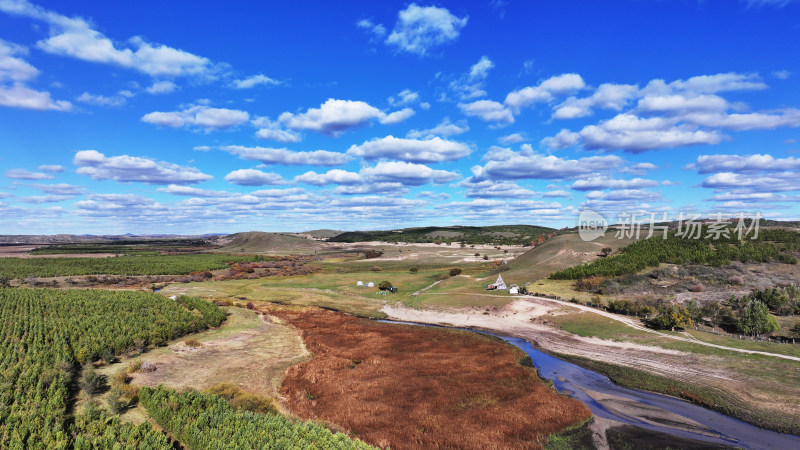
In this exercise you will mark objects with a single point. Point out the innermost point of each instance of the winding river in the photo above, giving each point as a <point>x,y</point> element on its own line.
<point>645,409</point>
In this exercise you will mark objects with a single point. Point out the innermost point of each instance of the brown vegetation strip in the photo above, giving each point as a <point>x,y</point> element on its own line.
<point>413,387</point>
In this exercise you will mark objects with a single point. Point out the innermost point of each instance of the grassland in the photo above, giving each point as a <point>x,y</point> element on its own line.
<point>335,286</point>
<point>587,324</point>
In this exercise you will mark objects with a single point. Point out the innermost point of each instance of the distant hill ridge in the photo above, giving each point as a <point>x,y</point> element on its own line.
<point>493,234</point>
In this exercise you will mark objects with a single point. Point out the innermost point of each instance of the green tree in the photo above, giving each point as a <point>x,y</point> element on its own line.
<point>670,317</point>
<point>714,312</point>
<point>455,271</point>
<point>774,298</point>
<point>91,381</point>
<point>756,320</point>
<point>695,313</point>
<point>385,285</point>
<point>116,401</point>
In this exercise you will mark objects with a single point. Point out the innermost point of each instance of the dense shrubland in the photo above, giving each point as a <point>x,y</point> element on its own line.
<point>264,267</point>
<point>771,245</point>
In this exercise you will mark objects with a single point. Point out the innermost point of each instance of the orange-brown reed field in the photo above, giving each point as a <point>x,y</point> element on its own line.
<point>409,387</point>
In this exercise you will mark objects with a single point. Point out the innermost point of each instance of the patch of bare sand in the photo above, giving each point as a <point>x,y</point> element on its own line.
<point>653,415</point>
<point>253,354</point>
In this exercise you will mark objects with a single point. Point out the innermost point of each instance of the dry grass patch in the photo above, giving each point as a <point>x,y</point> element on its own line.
<point>249,353</point>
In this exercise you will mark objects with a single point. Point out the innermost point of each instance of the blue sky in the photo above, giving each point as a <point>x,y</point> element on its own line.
<point>151,117</point>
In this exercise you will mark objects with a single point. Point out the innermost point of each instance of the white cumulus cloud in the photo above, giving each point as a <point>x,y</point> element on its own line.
<point>24,174</point>
<point>253,177</point>
<point>198,116</point>
<point>126,168</point>
<point>253,81</point>
<point>101,100</point>
<point>287,157</point>
<point>446,128</point>
<point>411,150</point>
<point>161,87</point>
<point>14,73</point>
<point>334,176</point>
<point>421,28</point>
<point>737,163</point>
<point>489,111</point>
<point>505,164</point>
<point>74,37</point>
<point>544,92</point>
<point>334,117</point>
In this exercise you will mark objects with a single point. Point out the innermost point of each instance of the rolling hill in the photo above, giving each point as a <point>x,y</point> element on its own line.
<point>262,242</point>
<point>558,253</point>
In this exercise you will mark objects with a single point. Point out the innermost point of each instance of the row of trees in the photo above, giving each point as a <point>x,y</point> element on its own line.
<point>46,334</point>
<point>781,301</point>
<point>746,315</point>
<point>202,420</point>
<point>771,245</point>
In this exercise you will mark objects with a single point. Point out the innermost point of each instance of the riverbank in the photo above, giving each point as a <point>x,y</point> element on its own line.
<point>627,415</point>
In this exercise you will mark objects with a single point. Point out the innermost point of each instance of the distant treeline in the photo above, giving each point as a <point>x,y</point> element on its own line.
<point>145,264</point>
<point>491,235</point>
<point>771,245</point>
<point>127,247</point>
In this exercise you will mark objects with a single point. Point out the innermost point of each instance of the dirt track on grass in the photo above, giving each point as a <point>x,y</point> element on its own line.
<point>412,387</point>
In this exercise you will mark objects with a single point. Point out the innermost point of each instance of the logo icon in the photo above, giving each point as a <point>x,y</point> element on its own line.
<point>591,225</point>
